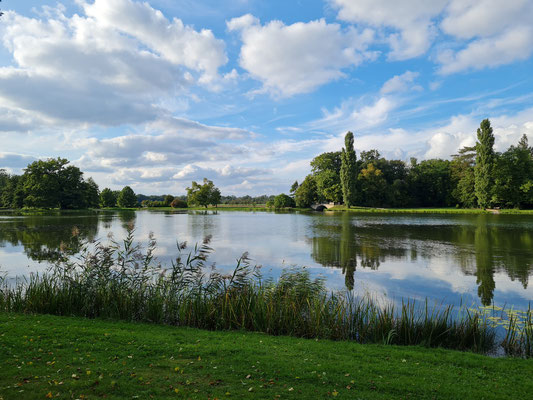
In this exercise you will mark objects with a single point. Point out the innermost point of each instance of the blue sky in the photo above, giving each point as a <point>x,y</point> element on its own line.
<point>246,92</point>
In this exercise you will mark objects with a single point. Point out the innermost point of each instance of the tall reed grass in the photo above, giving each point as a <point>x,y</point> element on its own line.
<point>124,281</point>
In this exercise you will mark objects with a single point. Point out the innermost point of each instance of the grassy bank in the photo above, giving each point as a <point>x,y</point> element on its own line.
<point>371,210</point>
<point>63,357</point>
<point>122,281</point>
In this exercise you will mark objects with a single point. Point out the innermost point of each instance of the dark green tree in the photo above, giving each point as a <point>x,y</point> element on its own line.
<point>483,170</point>
<point>108,198</point>
<point>127,198</point>
<point>53,183</point>
<point>326,169</point>
<point>430,183</point>
<point>373,186</point>
<point>348,171</point>
<point>513,170</point>
<point>462,173</point>
<point>168,200</point>
<point>306,194</point>
<point>294,188</point>
<point>92,194</point>
<point>283,201</point>
<point>203,194</point>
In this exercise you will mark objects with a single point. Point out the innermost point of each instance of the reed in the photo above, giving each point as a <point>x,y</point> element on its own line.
<point>124,281</point>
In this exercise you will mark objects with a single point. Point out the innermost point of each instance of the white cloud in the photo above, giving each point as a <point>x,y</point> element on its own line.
<point>512,45</point>
<point>399,83</point>
<point>496,32</point>
<point>298,58</point>
<point>173,41</point>
<point>410,20</point>
<point>357,114</point>
<point>483,33</point>
<point>115,64</point>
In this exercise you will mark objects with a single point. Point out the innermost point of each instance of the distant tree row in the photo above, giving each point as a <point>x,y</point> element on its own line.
<point>53,183</point>
<point>475,177</point>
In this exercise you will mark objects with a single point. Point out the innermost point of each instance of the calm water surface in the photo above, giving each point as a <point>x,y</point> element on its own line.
<point>452,258</point>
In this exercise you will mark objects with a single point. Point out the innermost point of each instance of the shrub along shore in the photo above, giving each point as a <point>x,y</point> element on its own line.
<point>123,281</point>
<point>45,356</point>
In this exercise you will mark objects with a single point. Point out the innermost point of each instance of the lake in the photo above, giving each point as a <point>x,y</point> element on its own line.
<point>473,259</point>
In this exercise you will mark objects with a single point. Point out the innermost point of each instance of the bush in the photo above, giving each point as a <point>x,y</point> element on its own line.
<point>283,201</point>
<point>177,203</point>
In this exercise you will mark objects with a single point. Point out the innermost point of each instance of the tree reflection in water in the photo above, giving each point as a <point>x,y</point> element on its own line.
<point>480,246</point>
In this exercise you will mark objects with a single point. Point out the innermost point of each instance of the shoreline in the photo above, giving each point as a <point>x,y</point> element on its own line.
<point>336,209</point>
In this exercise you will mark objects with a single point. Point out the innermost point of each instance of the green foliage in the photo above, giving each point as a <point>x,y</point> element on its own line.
<point>108,198</point>
<point>348,171</point>
<point>168,200</point>
<point>430,182</point>
<point>512,172</point>
<point>92,194</point>
<point>294,188</point>
<point>203,195</point>
<point>53,183</point>
<point>306,194</point>
<point>373,185</point>
<point>178,203</point>
<point>127,198</point>
<point>284,201</point>
<point>462,173</point>
<point>326,169</point>
<point>483,170</point>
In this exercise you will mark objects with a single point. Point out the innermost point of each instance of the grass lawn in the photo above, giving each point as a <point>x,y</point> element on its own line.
<point>73,358</point>
<point>428,210</point>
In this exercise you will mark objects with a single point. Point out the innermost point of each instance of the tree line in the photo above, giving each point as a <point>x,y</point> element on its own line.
<point>54,183</point>
<point>476,176</point>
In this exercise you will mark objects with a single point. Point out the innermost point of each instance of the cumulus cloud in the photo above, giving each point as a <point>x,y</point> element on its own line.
<point>512,45</point>
<point>476,33</point>
<point>399,83</point>
<point>107,66</point>
<point>298,58</point>
<point>410,21</point>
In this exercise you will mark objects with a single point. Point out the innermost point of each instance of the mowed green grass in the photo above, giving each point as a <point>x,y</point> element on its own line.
<point>74,358</point>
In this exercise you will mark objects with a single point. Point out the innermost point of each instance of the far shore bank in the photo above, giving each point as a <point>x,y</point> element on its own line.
<point>335,209</point>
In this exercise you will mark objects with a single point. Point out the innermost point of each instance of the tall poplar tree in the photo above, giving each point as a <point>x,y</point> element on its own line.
<point>348,171</point>
<point>483,170</point>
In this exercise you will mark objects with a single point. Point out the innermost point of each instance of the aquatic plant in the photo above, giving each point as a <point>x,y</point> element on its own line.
<point>124,281</point>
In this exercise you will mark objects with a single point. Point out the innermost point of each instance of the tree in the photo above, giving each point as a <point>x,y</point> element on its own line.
<point>127,198</point>
<point>294,188</point>
<point>283,201</point>
<point>430,183</point>
<point>53,183</point>
<point>373,185</point>
<point>513,169</point>
<point>326,169</point>
<point>306,194</point>
<point>178,203</point>
<point>462,173</point>
<point>348,171</point>
<point>1,13</point>
<point>483,170</point>
<point>168,200</point>
<point>204,194</point>
<point>108,198</point>
<point>92,194</point>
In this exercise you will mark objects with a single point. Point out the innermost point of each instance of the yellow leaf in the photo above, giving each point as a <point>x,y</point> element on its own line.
<point>176,390</point>
<point>335,393</point>
<point>49,395</point>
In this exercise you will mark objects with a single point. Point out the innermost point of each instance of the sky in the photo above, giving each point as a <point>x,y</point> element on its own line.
<point>159,93</point>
